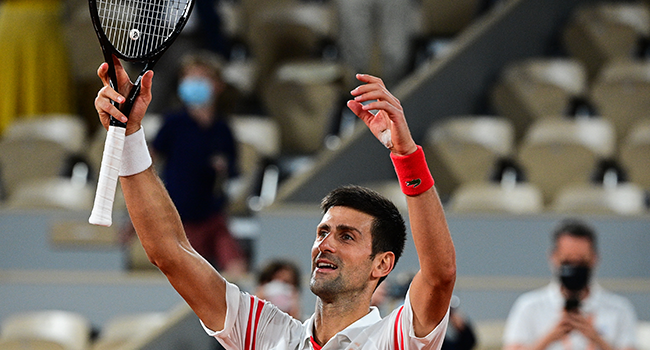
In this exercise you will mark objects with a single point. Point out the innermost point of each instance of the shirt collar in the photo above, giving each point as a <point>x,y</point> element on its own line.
<point>349,333</point>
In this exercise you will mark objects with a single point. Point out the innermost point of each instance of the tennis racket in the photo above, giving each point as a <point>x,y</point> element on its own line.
<point>135,31</point>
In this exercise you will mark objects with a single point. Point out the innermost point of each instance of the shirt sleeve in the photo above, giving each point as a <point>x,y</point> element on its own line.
<point>403,335</point>
<point>252,323</point>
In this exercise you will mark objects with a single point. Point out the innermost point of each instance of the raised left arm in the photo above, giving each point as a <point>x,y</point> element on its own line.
<point>433,285</point>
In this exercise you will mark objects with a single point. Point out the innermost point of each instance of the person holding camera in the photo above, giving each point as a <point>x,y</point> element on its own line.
<point>573,312</point>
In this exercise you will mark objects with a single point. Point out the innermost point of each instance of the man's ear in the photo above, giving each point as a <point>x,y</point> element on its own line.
<point>384,263</point>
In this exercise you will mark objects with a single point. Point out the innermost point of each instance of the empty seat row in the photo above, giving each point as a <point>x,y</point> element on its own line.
<point>601,33</point>
<point>50,162</point>
<point>556,154</point>
<point>539,88</point>
<point>526,198</point>
<point>298,83</point>
<point>66,330</point>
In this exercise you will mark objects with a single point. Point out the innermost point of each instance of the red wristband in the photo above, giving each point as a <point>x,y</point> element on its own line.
<point>412,172</point>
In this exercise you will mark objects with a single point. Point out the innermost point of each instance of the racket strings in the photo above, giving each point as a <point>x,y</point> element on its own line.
<point>137,28</point>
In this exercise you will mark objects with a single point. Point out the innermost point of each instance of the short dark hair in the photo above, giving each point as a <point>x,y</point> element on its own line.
<point>267,274</point>
<point>575,228</point>
<point>388,229</point>
<point>213,62</point>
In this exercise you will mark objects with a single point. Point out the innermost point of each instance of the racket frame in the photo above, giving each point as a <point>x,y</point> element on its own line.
<point>111,159</point>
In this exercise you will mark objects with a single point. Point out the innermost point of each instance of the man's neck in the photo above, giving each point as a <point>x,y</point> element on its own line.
<point>204,116</point>
<point>331,318</point>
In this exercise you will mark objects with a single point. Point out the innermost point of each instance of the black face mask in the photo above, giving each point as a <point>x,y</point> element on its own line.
<point>574,278</point>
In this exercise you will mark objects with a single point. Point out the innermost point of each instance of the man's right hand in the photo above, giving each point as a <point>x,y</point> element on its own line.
<point>105,108</point>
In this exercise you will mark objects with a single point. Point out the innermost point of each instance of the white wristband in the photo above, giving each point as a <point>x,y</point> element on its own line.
<point>135,157</point>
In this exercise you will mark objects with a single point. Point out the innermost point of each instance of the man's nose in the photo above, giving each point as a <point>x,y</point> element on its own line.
<point>326,244</point>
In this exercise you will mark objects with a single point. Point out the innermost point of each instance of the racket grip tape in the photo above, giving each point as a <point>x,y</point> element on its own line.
<point>108,175</point>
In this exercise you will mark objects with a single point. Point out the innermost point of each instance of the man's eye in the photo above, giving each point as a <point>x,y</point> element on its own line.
<point>347,237</point>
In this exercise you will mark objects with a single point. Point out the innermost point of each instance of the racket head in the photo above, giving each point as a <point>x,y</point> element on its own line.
<point>138,30</point>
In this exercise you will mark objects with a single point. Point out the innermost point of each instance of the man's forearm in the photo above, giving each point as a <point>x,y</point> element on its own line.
<point>153,214</point>
<point>161,233</point>
<point>431,236</point>
<point>433,285</point>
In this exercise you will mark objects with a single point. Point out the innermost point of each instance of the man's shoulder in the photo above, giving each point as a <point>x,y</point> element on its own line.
<point>610,299</point>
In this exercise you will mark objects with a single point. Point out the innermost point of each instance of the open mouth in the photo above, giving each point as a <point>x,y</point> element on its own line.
<point>326,266</point>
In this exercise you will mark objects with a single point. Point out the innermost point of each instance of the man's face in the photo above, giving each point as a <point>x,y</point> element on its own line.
<point>574,251</point>
<point>341,253</point>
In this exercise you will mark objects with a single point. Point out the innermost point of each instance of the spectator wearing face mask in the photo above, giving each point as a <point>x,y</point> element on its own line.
<point>279,282</point>
<point>197,148</point>
<point>573,312</point>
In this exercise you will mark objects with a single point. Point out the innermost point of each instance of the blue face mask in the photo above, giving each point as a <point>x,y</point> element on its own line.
<point>195,92</point>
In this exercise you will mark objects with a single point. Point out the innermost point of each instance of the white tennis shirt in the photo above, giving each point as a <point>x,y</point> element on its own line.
<point>535,313</point>
<point>254,324</point>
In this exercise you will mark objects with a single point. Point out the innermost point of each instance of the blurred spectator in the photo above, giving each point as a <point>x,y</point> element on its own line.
<point>34,60</point>
<point>572,312</point>
<point>375,36</point>
<point>203,31</point>
<point>460,333</point>
<point>279,283</point>
<point>198,149</point>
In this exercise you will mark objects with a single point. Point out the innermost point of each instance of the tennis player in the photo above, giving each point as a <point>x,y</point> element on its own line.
<point>357,243</point>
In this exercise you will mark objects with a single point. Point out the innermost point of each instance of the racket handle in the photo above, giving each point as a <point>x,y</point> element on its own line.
<point>108,174</point>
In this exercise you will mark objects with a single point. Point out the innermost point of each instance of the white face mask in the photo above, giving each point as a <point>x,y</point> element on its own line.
<point>195,92</point>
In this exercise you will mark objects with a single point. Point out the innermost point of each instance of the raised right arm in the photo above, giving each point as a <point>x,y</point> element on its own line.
<point>156,219</point>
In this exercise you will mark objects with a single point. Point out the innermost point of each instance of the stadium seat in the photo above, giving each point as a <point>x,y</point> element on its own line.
<point>45,330</point>
<point>634,154</point>
<point>127,329</point>
<point>537,88</point>
<point>559,151</point>
<point>66,129</point>
<point>470,145</point>
<point>255,153</point>
<point>621,93</point>
<point>621,199</point>
<point>27,160</point>
<point>598,34</point>
<point>38,147</point>
<point>53,193</point>
<point>490,197</point>
<point>281,30</point>
<point>446,18</point>
<point>391,190</point>
<point>301,97</point>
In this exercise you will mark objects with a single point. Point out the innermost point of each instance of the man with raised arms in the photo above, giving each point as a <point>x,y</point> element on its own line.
<point>357,243</point>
